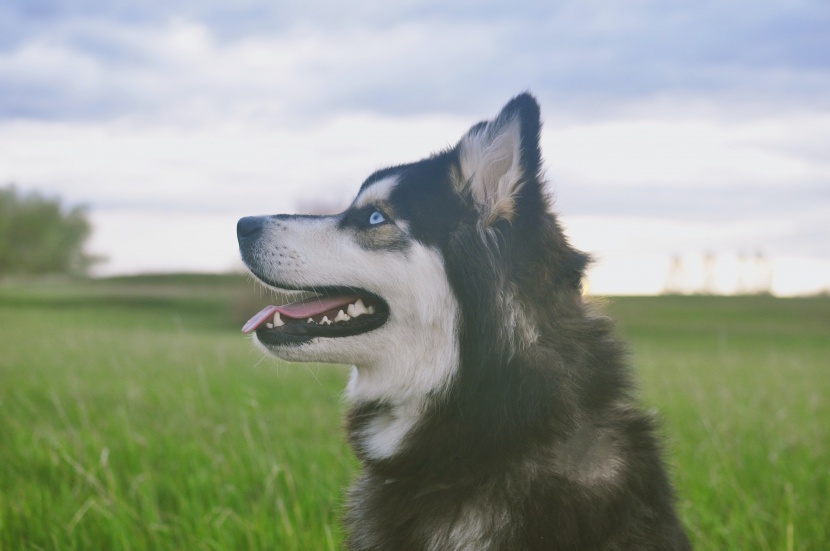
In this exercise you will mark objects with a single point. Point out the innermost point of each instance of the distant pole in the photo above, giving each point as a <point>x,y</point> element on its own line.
<point>764,272</point>
<point>675,279</point>
<point>709,274</point>
<point>743,288</point>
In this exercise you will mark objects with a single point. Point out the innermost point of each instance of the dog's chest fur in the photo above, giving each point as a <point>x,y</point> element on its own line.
<point>426,514</point>
<point>448,485</point>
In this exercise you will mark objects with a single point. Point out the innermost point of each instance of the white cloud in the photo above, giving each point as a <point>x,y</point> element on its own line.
<point>222,166</point>
<point>696,152</point>
<point>301,63</point>
<point>693,128</point>
<point>167,197</point>
<point>181,72</point>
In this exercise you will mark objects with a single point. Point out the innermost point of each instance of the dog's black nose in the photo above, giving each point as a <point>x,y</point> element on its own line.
<point>249,227</point>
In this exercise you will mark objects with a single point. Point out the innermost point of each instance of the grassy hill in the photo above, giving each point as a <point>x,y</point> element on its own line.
<point>134,415</point>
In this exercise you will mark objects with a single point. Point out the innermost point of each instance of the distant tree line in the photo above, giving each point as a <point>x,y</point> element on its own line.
<point>39,236</point>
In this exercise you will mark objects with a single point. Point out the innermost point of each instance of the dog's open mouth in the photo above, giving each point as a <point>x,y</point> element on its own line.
<point>330,313</point>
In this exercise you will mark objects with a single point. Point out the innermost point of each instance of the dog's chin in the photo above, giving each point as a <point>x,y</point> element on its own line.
<point>345,351</point>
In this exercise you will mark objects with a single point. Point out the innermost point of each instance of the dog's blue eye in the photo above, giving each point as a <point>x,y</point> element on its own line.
<point>376,218</point>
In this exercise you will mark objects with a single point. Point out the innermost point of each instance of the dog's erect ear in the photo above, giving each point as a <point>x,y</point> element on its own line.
<point>497,158</point>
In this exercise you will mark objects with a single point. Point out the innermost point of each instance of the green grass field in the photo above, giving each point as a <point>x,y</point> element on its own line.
<point>134,415</point>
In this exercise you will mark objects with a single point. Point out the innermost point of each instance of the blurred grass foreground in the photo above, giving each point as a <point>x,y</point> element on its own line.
<point>134,415</point>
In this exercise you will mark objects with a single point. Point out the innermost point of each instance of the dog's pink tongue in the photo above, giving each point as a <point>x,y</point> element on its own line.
<point>264,315</point>
<point>299,310</point>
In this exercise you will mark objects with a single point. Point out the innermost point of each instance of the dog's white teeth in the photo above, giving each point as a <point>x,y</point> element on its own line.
<point>311,321</point>
<point>354,310</point>
<point>357,309</point>
<point>276,321</point>
<point>325,321</point>
<point>341,316</point>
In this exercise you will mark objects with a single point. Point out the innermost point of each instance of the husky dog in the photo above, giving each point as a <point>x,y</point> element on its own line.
<point>491,410</point>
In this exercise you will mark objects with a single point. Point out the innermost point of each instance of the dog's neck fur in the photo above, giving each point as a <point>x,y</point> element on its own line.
<point>377,429</point>
<point>388,398</point>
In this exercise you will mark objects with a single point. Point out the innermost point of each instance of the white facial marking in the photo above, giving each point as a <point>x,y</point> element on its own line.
<point>417,351</point>
<point>413,355</point>
<point>376,192</point>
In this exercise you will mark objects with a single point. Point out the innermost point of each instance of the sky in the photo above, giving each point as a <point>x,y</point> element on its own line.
<point>687,143</point>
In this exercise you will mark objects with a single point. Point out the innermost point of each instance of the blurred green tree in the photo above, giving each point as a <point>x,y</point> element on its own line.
<point>39,236</point>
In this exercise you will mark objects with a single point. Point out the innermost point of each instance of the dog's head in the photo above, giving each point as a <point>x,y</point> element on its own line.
<point>429,256</point>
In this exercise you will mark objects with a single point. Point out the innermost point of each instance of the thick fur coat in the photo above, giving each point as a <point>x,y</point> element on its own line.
<point>490,407</point>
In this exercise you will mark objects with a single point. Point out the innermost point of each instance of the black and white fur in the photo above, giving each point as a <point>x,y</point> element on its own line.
<point>490,408</point>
